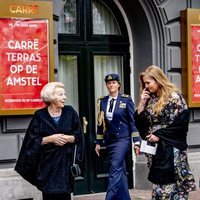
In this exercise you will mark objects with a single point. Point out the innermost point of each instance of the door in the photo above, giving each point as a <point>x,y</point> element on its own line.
<point>90,48</point>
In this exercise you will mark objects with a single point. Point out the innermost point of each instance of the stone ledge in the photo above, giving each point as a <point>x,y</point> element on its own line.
<point>14,187</point>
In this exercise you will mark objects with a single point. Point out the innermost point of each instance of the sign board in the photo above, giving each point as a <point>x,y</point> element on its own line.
<point>26,55</point>
<point>190,49</point>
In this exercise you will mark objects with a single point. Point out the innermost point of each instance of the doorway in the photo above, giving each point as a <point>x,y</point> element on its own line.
<point>93,42</point>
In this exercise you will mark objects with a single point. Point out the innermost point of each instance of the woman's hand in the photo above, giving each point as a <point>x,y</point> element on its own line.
<point>152,138</point>
<point>145,96</point>
<point>58,139</point>
<point>137,150</point>
<point>69,138</point>
<point>143,99</point>
<point>97,149</point>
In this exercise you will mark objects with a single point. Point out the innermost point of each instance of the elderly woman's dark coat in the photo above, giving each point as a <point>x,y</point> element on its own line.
<point>48,166</point>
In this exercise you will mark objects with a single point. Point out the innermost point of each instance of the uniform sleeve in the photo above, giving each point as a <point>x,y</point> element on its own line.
<point>131,111</point>
<point>100,124</point>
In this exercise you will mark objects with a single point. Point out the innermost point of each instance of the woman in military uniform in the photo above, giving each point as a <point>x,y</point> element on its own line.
<point>116,127</point>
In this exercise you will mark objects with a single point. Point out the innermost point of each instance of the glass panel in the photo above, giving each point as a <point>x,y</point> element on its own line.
<point>68,19</point>
<point>103,20</point>
<point>68,74</point>
<point>104,65</point>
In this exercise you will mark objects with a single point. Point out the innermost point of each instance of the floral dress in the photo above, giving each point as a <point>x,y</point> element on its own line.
<point>184,180</point>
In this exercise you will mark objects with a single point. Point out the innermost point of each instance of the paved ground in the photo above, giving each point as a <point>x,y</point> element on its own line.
<point>135,195</point>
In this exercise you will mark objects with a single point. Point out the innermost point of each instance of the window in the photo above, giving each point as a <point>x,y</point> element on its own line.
<point>103,20</point>
<point>68,22</point>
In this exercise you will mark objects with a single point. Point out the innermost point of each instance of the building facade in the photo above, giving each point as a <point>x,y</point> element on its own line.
<point>93,38</point>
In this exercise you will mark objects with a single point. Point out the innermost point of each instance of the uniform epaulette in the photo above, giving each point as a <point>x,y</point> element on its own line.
<point>101,97</point>
<point>125,95</point>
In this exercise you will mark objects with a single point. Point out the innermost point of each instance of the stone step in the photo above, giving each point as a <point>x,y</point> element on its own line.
<point>194,156</point>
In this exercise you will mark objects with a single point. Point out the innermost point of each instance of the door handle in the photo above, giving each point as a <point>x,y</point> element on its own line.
<point>85,123</point>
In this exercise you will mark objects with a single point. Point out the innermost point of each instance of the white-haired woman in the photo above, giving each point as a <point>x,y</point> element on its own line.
<point>47,150</point>
<point>162,117</point>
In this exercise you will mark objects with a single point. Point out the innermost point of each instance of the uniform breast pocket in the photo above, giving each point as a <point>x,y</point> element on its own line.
<point>122,105</point>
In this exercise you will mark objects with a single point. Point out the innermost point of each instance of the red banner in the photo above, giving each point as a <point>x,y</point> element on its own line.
<point>24,62</point>
<point>195,34</point>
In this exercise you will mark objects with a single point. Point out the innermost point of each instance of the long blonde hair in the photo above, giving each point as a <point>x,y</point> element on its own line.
<point>165,86</point>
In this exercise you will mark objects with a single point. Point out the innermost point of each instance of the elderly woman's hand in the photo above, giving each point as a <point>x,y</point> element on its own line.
<point>69,138</point>
<point>58,139</point>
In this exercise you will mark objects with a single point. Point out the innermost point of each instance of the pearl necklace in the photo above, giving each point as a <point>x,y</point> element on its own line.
<point>55,114</point>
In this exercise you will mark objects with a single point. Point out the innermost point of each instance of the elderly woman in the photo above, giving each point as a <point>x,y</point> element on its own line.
<point>47,151</point>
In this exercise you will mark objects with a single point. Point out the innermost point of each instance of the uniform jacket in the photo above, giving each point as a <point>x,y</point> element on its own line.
<point>48,166</point>
<point>122,125</point>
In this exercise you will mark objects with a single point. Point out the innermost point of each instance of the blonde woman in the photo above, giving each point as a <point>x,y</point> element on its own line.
<point>46,155</point>
<point>162,117</point>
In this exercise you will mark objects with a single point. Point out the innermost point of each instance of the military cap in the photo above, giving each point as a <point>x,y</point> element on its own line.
<point>112,77</point>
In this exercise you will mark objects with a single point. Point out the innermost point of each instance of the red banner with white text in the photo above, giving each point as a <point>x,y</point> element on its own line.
<point>24,62</point>
<point>195,63</point>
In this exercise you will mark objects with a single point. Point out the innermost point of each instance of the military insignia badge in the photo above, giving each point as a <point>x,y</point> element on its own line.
<point>122,105</point>
<point>125,95</point>
<point>110,77</point>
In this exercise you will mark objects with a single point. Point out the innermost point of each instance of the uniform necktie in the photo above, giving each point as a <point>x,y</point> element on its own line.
<point>111,105</point>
